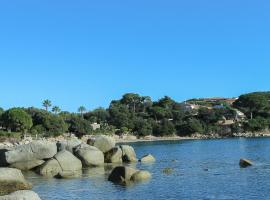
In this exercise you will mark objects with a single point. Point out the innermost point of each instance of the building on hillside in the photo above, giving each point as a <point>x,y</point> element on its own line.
<point>95,126</point>
<point>187,107</point>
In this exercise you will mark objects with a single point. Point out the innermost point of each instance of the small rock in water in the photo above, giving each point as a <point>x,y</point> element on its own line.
<point>168,171</point>
<point>245,163</point>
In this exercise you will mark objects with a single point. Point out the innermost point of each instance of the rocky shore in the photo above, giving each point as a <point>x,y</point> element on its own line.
<point>65,158</point>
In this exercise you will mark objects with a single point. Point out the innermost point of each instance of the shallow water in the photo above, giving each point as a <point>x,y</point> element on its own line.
<point>202,169</point>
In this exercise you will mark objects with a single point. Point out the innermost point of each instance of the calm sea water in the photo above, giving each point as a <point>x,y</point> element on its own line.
<point>203,169</point>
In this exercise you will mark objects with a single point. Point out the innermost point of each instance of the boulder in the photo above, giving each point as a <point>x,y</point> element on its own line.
<point>147,158</point>
<point>68,145</point>
<point>121,174</point>
<point>70,165</point>
<point>50,168</point>
<point>140,176</point>
<point>128,154</point>
<point>114,155</point>
<point>27,165</point>
<point>104,143</point>
<point>245,163</point>
<point>12,180</point>
<point>37,150</point>
<point>63,165</point>
<point>21,195</point>
<point>90,156</point>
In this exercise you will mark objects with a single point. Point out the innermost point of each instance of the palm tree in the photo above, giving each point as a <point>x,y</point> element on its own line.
<point>56,109</point>
<point>81,110</point>
<point>47,103</point>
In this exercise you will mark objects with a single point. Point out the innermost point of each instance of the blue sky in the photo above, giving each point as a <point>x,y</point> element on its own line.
<point>88,52</point>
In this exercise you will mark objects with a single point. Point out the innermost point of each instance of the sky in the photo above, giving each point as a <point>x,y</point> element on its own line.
<point>89,52</point>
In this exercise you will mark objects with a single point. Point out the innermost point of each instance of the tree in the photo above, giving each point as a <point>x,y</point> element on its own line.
<point>189,127</point>
<point>56,109</point>
<point>47,103</point>
<point>81,110</point>
<point>79,126</point>
<point>16,119</point>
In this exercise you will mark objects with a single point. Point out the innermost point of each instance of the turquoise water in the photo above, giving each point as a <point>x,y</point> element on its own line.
<point>203,169</point>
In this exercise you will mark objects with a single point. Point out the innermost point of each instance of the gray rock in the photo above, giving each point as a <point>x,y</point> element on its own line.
<point>37,150</point>
<point>121,175</point>
<point>141,176</point>
<point>114,155</point>
<point>63,165</point>
<point>68,145</point>
<point>147,158</point>
<point>90,156</point>
<point>12,180</point>
<point>27,165</point>
<point>129,154</point>
<point>21,195</point>
<point>50,168</point>
<point>70,165</point>
<point>104,143</point>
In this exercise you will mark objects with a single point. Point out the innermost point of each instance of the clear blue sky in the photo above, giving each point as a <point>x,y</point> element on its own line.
<point>88,52</point>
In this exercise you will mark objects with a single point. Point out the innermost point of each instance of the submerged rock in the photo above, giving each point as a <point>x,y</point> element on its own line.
<point>245,163</point>
<point>12,180</point>
<point>128,154</point>
<point>114,155</point>
<point>90,156</point>
<point>121,174</point>
<point>104,143</point>
<point>147,158</point>
<point>21,195</point>
<point>141,176</point>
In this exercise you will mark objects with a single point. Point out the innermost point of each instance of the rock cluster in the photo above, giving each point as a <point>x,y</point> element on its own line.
<point>64,159</point>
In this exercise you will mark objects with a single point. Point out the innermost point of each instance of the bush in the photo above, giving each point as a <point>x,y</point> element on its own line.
<point>16,119</point>
<point>79,126</point>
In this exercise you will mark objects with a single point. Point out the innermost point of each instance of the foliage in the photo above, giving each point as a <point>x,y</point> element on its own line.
<point>16,119</point>
<point>79,126</point>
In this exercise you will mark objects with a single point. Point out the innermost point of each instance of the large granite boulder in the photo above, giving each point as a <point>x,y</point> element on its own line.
<point>104,143</point>
<point>50,168</point>
<point>37,150</point>
<point>114,155</point>
<point>27,165</point>
<point>12,180</point>
<point>89,155</point>
<point>128,154</point>
<point>147,159</point>
<point>21,195</point>
<point>68,145</point>
<point>63,165</point>
<point>121,175</point>
<point>140,176</point>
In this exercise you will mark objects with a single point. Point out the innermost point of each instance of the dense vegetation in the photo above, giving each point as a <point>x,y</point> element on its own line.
<point>140,116</point>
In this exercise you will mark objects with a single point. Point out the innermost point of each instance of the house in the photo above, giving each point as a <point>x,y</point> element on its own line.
<point>189,107</point>
<point>95,126</point>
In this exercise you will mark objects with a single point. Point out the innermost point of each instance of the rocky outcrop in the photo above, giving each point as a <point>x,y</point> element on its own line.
<point>27,165</point>
<point>12,180</point>
<point>121,175</point>
<point>128,154</point>
<point>21,195</point>
<point>37,150</point>
<point>63,165</point>
<point>147,159</point>
<point>243,163</point>
<point>140,176</point>
<point>89,155</point>
<point>114,155</point>
<point>104,143</point>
